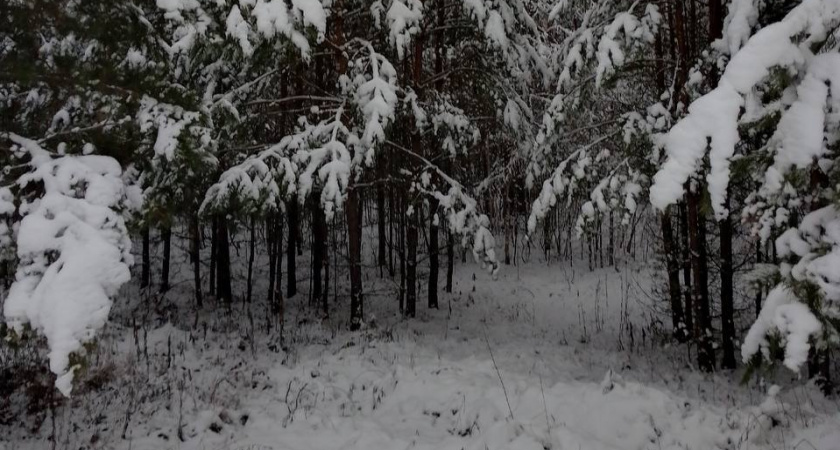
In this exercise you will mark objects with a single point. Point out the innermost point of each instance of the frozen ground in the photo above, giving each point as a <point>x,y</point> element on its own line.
<point>546,357</point>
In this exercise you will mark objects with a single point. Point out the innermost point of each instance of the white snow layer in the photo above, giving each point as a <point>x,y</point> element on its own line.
<point>74,252</point>
<point>793,321</point>
<point>713,118</point>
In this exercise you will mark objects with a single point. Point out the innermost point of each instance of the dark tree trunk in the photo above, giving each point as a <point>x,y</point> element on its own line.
<point>319,236</point>
<point>291,266</point>
<point>611,248</point>
<point>434,246</point>
<point>270,238</point>
<point>411,266</point>
<point>450,261</point>
<point>166,237</point>
<point>195,257</point>
<point>727,310</point>
<point>758,259</point>
<point>214,253</point>
<point>699,264</point>
<point>715,20</point>
<point>677,312</point>
<point>392,230</point>
<point>146,272</point>
<point>354,228</point>
<point>401,251</point>
<point>279,307</point>
<point>223,290</point>
<point>251,249</point>
<point>325,300</point>
<point>686,268</point>
<point>682,48</point>
<point>381,219</point>
<point>414,218</point>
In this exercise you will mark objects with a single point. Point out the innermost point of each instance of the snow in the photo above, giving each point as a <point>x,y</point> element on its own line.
<point>794,322</point>
<point>484,246</point>
<point>611,52</point>
<point>712,116</point>
<point>553,380</point>
<point>737,26</point>
<point>170,121</point>
<point>74,251</point>
<point>377,99</point>
<point>260,183</point>
<point>495,30</point>
<point>404,21</point>
<point>799,138</point>
<point>238,29</point>
<point>272,17</point>
<point>136,59</point>
<point>313,14</point>
<point>715,115</point>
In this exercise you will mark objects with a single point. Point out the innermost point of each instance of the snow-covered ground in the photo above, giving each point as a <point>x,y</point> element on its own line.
<point>545,357</point>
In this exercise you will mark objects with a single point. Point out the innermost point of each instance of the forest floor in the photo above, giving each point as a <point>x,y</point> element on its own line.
<point>545,357</point>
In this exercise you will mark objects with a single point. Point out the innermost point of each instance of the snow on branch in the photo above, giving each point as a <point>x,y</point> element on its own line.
<point>377,99</point>
<point>636,32</point>
<point>260,183</point>
<point>452,126</point>
<point>461,210</point>
<point>404,21</point>
<point>73,246</point>
<point>788,319</point>
<point>246,23</point>
<point>170,121</point>
<point>322,152</point>
<point>619,190</point>
<point>711,126</point>
<point>566,179</point>
<point>623,32</point>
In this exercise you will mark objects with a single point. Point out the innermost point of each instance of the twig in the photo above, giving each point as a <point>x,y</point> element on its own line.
<point>499,374</point>
<point>545,408</point>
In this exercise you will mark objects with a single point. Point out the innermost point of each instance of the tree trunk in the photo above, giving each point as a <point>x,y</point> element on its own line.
<point>251,250</point>
<point>195,256</point>
<point>214,253</point>
<point>354,228</point>
<point>699,264</point>
<point>686,269</point>
<point>758,290</point>
<point>279,307</point>
<point>270,238</point>
<point>411,266</point>
<point>224,291</point>
<point>166,237</point>
<point>392,230</point>
<point>401,253</point>
<point>413,219</point>
<point>381,218</point>
<point>291,266</point>
<point>145,274</point>
<point>319,237</point>
<point>434,246</point>
<point>677,312</point>
<point>611,248</point>
<point>450,261</point>
<point>727,310</point>
<point>715,20</point>
<point>682,48</point>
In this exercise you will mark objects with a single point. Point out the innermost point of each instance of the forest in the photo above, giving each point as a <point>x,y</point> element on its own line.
<point>426,224</point>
